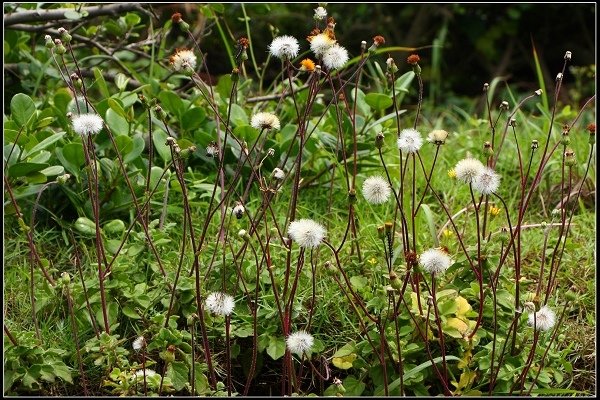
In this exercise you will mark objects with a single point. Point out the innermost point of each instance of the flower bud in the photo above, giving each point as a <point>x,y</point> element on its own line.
<point>160,113</point>
<point>534,144</point>
<point>235,75</point>
<point>379,140</point>
<point>395,282</point>
<point>504,105</point>
<point>352,196</point>
<point>62,179</point>
<point>486,87</point>
<point>49,43</point>
<point>570,159</point>
<point>568,55</point>
<point>64,35</point>
<point>243,234</point>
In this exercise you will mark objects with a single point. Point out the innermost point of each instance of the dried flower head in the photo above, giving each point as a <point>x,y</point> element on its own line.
<point>243,42</point>
<point>410,140</point>
<point>376,190</point>
<point>139,374</point>
<point>183,58</point>
<point>435,261</point>
<point>467,169</point>
<point>543,320</point>
<point>592,128</point>
<point>378,40</point>
<point>220,303</point>
<point>87,124</point>
<point>335,57</point>
<point>308,233</point>
<point>265,120</point>
<point>299,342</point>
<point>539,92</point>
<point>284,47</point>
<point>437,136</point>
<point>320,13</point>
<point>413,59</point>
<point>568,55</point>
<point>239,210</point>
<point>212,150</point>
<point>487,181</point>
<point>307,65</point>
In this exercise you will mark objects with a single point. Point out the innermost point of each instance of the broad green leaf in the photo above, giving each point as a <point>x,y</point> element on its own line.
<point>46,142</point>
<point>171,103</point>
<point>22,108</point>
<point>85,226</point>
<point>179,374</point>
<point>117,124</point>
<point>159,138</point>
<point>378,101</point>
<point>411,373</point>
<point>114,226</point>
<point>238,115</point>
<point>53,170</point>
<point>138,144</point>
<point>104,92</point>
<point>192,118</point>
<point>276,348</point>
<point>344,362</point>
<point>25,168</point>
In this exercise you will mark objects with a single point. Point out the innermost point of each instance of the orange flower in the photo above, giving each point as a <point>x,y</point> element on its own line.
<point>413,59</point>
<point>591,128</point>
<point>307,65</point>
<point>176,18</point>
<point>244,42</point>
<point>378,40</point>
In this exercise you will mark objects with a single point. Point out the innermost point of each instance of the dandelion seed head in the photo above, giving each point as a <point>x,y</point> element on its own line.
<point>307,233</point>
<point>335,57</point>
<point>139,374</point>
<point>410,141</point>
<point>87,124</point>
<point>138,343</point>
<point>265,120</point>
<point>487,181</point>
<point>435,261</point>
<point>284,47</point>
<point>278,173</point>
<point>467,169</point>
<point>376,190</point>
<point>543,320</point>
<point>220,303</point>
<point>320,13</point>
<point>183,58</point>
<point>320,43</point>
<point>299,342</point>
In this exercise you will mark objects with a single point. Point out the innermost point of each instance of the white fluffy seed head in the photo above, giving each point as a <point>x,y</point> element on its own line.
<point>183,58</point>
<point>307,233</point>
<point>543,320</point>
<point>299,342</point>
<point>320,13</point>
<point>265,120</point>
<point>376,190</point>
<point>435,261</point>
<point>139,374</point>
<point>437,136</point>
<point>87,124</point>
<point>467,169</point>
<point>278,173</point>
<point>335,57</point>
<point>284,47</point>
<point>220,303</point>
<point>410,140</point>
<point>487,181</point>
<point>320,43</point>
<point>139,343</point>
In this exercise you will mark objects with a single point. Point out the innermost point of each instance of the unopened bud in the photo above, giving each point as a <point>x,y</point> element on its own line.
<point>352,196</point>
<point>559,76</point>
<point>62,179</point>
<point>504,105</point>
<point>64,35</point>
<point>49,43</point>
<point>534,144</point>
<point>243,234</point>
<point>379,140</point>
<point>235,75</point>
<point>160,113</point>
<point>486,87</point>
<point>363,45</point>
<point>568,55</point>
<point>570,159</point>
<point>539,92</point>
<point>388,227</point>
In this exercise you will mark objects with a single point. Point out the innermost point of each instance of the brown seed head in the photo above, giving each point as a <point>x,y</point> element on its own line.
<point>411,258</point>
<point>244,42</point>
<point>591,128</point>
<point>379,40</point>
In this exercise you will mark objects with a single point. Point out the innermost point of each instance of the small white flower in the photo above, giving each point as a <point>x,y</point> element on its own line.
<point>139,343</point>
<point>299,342</point>
<point>212,150</point>
<point>265,120</point>
<point>467,169</point>
<point>335,57</point>
<point>139,374</point>
<point>87,124</point>
<point>284,47</point>
<point>307,232</point>
<point>320,43</point>
<point>220,303</point>
<point>47,38</point>
<point>435,261</point>
<point>487,181</point>
<point>437,136</point>
<point>410,140</point>
<point>183,58</point>
<point>544,319</point>
<point>376,190</point>
<point>320,13</point>
<point>278,173</point>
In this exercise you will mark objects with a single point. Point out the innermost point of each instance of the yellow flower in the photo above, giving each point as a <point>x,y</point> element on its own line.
<point>372,261</point>
<point>452,173</point>
<point>494,211</point>
<point>307,65</point>
<point>447,233</point>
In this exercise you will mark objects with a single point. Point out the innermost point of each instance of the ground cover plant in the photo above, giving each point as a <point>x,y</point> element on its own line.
<point>309,225</point>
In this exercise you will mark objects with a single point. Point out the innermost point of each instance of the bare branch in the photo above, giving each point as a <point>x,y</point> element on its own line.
<point>29,16</point>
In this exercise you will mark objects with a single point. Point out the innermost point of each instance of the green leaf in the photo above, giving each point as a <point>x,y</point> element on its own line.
<point>171,102</point>
<point>72,14</point>
<point>115,105</point>
<point>71,157</point>
<point>85,226</point>
<point>114,226</point>
<point>124,144</point>
<point>413,372</point>
<point>353,386</point>
<point>130,312</point>
<point>178,372</point>
<point>53,170</point>
<point>137,148</point>
<point>431,224</point>
<point>101,83</point>
<point>25,168</point>
<point>238,115</point>
<point>117,124</point>
<point>160,138</point>
<point>22,108</point>
<point>276,348</point>
<point>46,142</point>
<point>192,118</point>
<point>378,101</point>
